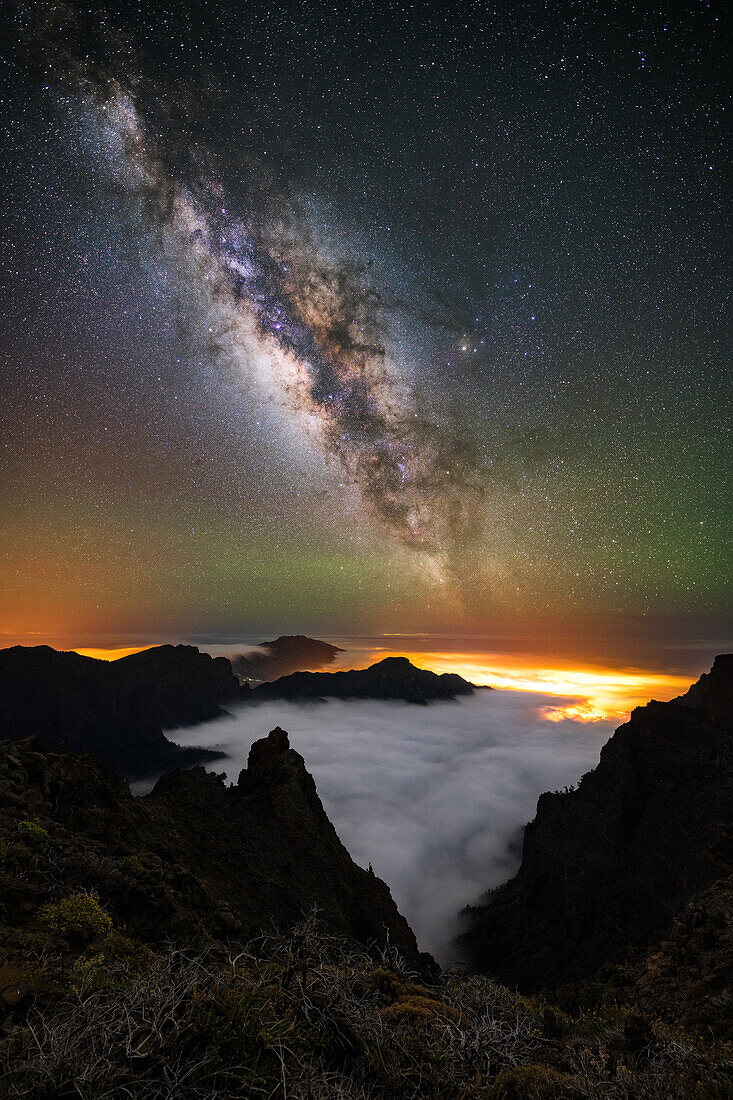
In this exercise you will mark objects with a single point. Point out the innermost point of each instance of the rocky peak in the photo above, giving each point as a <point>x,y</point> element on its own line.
<point>267,748</point>
<point>276,772</point>
<point>713,692</point>
<point>286,654</point>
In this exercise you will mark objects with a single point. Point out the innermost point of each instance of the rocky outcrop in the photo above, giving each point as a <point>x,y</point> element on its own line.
<point>289,653</point>
<point>117,709</point>
<point>712,695</point>
<point>688,976</point>
<point>195,857</point>
<point>392,678</point>
<point>608,867</point>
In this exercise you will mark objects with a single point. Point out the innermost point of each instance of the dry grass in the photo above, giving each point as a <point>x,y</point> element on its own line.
<point>305,1016</point>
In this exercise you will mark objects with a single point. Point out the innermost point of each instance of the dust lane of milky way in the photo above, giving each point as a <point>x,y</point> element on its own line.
<point>314,308</point>
<point>307,330</point>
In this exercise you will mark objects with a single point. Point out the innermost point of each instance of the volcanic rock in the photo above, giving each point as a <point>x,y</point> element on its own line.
<point>195,857</point>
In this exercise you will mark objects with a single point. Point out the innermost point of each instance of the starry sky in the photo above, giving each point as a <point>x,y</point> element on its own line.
<point>356,317</point>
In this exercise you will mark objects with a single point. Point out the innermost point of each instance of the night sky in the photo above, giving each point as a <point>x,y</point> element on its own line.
<point>360,317</point>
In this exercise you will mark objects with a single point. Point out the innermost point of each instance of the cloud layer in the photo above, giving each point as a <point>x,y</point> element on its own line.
<point>435,797</point>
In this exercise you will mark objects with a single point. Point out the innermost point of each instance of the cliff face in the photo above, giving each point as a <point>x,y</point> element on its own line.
<point>117,709</point>
<point>195,857</point>
<point>688,976</point>
<point>607,867</point>
<point>392,678</point>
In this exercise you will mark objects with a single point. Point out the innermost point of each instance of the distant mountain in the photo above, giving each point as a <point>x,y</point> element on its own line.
<point>117,709</point>
<point>290,653</point>
<point>640,853</point>
<point>392,678</point>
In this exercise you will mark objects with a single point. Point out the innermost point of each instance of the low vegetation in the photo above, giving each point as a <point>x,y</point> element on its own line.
<point>305,1015</point>
<point>79,917</point>
<point>123,974</point>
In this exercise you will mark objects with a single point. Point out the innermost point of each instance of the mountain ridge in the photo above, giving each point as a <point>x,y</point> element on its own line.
<point>609,869</point>
<point>390,678</point>
<point>117,709</point>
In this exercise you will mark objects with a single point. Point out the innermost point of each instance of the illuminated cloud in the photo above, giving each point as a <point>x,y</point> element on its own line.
<point>434,797</point>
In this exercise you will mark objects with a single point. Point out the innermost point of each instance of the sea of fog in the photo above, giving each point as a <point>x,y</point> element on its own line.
<point>433,797</point>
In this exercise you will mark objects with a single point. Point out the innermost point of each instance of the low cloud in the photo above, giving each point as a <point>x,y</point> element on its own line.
<point>435,797</point>
<point>292,653</point>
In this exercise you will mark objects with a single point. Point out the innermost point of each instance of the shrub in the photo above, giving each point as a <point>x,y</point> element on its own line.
<point>245,1022</point>
<point>141,863</point>
<point>13,856</point>
<point>306,1015</point>
<point>110,963</point>
<point>386,982</point>
<point>32,833</point>
<point>15,860</point>
<point>78,916</point>
<point>418,1007</point>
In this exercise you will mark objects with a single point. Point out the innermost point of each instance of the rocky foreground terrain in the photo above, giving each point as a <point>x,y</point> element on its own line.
<point>195,857</point>
<point>212,940</point>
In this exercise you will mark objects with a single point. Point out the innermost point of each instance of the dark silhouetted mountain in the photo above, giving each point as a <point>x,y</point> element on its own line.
<point>154,947</point>
<point>608,868</point>
<point>712,695</point>
<point>392,678</point>
<point>117,709</point>
<point>195,857</point>
<point>291,653</point>
<point>175,685</point>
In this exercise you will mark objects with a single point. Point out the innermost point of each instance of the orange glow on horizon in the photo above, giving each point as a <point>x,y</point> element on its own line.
<point>584,692</point>
<point>590,693</point>
<point>110,654</point>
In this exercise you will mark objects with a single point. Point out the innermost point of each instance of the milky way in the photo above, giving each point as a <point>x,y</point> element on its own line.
<point>302,324</point>
<point>309,308</point>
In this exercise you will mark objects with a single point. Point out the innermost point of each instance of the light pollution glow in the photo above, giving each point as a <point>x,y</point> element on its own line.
<point>586,694</point>
<point>111,654</point>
